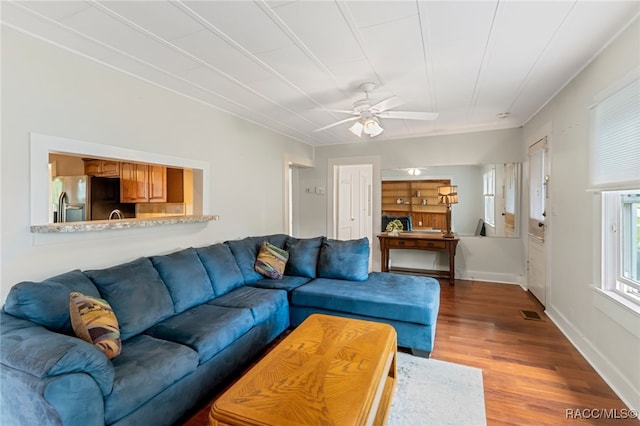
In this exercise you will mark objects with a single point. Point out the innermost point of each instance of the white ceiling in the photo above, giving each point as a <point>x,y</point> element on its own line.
<point>275,63</point>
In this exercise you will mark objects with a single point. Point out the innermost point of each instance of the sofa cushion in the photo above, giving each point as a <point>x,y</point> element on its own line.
<point>288,283</point>
<point>221,266</point>
<point>262,303</point>
<point>47,302</point>
<point>271,261</point>
<point>345,260</point>
<point>245,252</point>
<point>206,328</point>
<point>136,293</point>
<point>93,321</point>
<point>146,367</point>
<point>31,348</point>
<point>303,256</point>
<point>386,295</point>
<point>185,277</point>
<point>278,240</point>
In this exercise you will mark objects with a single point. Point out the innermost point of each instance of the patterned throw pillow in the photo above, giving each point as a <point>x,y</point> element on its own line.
<point>271,261</point>
<point>93,321</point>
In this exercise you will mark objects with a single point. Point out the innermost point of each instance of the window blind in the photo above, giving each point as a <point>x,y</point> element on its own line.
<point>615,144</point>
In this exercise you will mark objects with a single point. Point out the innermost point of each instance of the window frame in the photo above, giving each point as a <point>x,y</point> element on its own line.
<point>617,136</point>
<point>489,190</point>
<point>615,237</point>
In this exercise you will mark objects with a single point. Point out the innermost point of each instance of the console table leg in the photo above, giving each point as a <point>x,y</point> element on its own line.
<point>452,267</point>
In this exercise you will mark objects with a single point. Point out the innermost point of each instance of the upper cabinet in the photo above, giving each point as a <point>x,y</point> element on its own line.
<point>142,183</point>
<point>157,183</point>
<point>134,183</point>
<point>102,168</point>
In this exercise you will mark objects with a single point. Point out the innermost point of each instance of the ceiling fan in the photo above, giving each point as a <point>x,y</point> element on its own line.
<point>366,116</point>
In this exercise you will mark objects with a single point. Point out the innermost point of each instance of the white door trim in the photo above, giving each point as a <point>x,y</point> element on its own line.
<point>546,130</point>
<point>375,161</point>
<point>290,198</point>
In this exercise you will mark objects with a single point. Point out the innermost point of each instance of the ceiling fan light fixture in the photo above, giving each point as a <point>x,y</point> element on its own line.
<point>357,128</point>
<point>367,112</point>
<point>372,127</point>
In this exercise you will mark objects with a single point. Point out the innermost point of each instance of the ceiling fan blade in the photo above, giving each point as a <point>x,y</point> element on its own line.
<point>408,115</point>
<point>344,111</point>
<point>337,123</point>
<point>388,103</point>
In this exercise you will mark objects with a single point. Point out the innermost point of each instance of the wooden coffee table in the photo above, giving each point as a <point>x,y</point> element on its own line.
<point>328,371</point>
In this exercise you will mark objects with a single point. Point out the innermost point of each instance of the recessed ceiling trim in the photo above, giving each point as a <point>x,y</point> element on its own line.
<point>216,31</point>
<point>123,53</point>
<point>426,54</point>
<point>585,65</point>
<point>470,61</point>
<point>206,64</point>
<point>527,78</point>
<point>299,43</point>
<point>353,27</point>
<point>302,138</point>
<point>483,62</point>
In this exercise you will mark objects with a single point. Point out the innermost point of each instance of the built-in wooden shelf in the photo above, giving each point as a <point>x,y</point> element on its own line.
<point>415,198</point>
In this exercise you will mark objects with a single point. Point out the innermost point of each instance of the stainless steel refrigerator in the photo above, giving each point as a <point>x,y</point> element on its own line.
<point>80,198</point>
<point>71,199</point>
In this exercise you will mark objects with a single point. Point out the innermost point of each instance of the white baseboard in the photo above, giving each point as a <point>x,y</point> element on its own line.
<point>494,277</point>
<point>609,373</point>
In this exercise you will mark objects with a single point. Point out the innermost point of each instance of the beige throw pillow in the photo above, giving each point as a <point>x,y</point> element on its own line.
<point>93,321</point>
<point>271,261</point>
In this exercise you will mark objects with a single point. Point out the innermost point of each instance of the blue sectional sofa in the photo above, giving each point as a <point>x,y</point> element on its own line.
<point>188,322</point>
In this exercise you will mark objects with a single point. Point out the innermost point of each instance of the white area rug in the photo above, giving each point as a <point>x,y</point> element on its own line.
<point>436,393</point>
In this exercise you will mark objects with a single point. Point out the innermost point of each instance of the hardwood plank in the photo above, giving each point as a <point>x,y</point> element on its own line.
<point>532,374</point>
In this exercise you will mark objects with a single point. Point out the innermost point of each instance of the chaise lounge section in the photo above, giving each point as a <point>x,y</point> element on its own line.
<point>188,322</point>
<point>408,303</point>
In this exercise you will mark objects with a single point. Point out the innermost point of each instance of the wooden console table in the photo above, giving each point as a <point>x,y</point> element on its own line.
<point>415,240</point>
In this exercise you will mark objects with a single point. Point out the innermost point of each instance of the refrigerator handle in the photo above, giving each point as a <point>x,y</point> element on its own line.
<point>61,213</point>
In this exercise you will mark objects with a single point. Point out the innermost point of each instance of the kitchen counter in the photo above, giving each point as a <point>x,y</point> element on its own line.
<point>104,225</point>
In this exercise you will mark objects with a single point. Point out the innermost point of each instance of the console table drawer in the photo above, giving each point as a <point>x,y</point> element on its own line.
<point>417,244</point>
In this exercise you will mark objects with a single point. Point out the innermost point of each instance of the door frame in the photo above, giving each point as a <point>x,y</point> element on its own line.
<point>376,207</point>
<point>545,131</point>
<point>290,197</point>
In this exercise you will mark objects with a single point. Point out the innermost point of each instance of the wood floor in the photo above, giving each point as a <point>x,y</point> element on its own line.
<point>532,374</point>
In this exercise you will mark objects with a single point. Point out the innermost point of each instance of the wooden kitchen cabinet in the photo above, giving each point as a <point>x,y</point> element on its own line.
<point>157,183</point>
<point>143,183</point>
<point>102,168</point>
<point>133,183</point>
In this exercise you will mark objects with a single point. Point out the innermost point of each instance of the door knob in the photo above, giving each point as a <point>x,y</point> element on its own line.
<point>540,224</point>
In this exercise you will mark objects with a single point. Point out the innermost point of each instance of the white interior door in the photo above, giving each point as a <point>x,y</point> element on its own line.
<point>537,219</point>
<point>354,203</point>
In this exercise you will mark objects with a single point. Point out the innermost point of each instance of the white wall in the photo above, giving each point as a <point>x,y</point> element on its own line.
<point>491,259</point>
<point>50,91</point>
<point>612,346</point>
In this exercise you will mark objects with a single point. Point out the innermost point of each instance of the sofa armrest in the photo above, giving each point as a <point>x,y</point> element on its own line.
<point>39,352</point>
